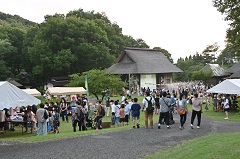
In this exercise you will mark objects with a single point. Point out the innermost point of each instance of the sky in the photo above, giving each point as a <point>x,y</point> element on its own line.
<point>182,27</point>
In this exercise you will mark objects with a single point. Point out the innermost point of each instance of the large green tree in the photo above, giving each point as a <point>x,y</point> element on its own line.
<point>6,48</point>
<point>13,57</point>
<point>231,10</point>
<point>98,81</point>
<point>203,75</point>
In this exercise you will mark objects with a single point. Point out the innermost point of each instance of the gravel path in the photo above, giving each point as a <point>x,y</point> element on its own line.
<point>132,143</point>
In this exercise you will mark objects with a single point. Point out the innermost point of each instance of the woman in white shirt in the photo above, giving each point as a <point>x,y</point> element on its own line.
<point>196,110</point>
<point>226,106</point>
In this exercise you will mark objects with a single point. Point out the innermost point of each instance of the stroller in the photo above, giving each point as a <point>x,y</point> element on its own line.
<point>89,121</point>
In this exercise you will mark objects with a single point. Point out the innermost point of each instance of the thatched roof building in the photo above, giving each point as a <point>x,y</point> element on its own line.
<point>140,61</point>
<point>234,70</point>
<point>151,67</point>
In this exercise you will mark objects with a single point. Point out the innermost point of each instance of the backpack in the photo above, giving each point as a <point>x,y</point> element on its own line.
<point>229,102</point>
<point>102,112</point>
<point>80,116</point>
<point>45,115</point>
<point>150,108</point>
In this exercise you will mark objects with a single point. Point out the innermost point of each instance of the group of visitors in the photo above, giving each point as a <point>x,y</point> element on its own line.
<point>162,102</point>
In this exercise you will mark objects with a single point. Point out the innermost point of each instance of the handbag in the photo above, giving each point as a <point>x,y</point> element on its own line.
<point>181,111</point>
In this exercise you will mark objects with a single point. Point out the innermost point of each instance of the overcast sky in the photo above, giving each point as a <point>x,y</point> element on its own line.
<point>183,27</point>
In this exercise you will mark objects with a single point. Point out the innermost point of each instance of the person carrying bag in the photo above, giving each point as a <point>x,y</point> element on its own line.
<point>182,110</point>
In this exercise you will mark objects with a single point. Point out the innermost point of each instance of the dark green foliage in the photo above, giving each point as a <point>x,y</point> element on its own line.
<point>98,81</point>
<point>231,10</point>
<point>60,46</point>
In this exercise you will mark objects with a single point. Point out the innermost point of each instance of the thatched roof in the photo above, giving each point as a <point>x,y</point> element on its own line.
<point>234,68</point>
<point>216,69</point>
<point>235,75</point>
<point>15,83</point>
<point>139,61</point>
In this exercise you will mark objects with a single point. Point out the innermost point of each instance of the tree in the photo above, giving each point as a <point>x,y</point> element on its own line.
<point>209,53</point>
<point>5,49</point>
<point>201,75</point>
<point>13,57</point>
<point>98,81</point>
<point>231,10</point>
<point>165,52</point>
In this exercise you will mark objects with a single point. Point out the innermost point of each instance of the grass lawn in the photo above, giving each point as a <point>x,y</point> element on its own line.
<point>212,146</point>
<point>66,130</point>
<point>217,146</point>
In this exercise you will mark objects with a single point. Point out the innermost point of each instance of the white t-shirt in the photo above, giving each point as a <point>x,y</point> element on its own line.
<point>123,100</point>
<point>145,103</point>
<point>113,108</point>
<point>196,104</point>
<point>226,104</point>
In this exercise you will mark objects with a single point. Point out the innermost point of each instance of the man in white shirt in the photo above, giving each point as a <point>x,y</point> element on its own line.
<point>145,106</point>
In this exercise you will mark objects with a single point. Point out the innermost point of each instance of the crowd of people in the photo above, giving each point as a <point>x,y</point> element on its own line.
<point>84,114</point>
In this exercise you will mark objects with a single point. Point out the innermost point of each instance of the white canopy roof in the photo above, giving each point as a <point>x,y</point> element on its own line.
<point>12,96</point>
<point>228,86</point>
<point>66,90</point>
<point>33,92</point>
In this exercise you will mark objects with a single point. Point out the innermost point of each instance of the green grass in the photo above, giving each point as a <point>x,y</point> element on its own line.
<point>66,130</point>
<point>217,146</point>
<point>219,116</point>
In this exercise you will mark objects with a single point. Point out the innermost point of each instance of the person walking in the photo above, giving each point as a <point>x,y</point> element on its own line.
<point>164,110</point>
<point>226,106</point>
<point>117,110</point>
<point>127,112</point>
<point>196,110</point>
<point>135,111</point>
<point>157,104</point>
<point>122,115</point>
<point>182,109</point>
<point>148,103</point>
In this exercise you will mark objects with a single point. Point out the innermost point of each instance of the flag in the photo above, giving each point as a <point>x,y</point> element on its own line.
<point>86,84</point>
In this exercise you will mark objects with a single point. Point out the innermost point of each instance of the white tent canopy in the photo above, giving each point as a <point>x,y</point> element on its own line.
<point>33,92</point>
<point>228,86</point>
<point>66,90</point>
<point>12,96</point>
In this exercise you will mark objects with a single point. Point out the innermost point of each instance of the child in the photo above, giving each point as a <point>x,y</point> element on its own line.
<point>135,111</point>
<point>74,121</point>
<point>113,119</point>
<point>56,121</point>
<point>122,115</point>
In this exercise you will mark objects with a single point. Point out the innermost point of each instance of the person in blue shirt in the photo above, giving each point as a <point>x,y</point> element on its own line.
<point>127,111</point>
<point>135,111</point>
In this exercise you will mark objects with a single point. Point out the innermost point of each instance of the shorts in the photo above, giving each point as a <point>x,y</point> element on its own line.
<point>126,118</point>
<point>135,118</point>
<point>121,120</point>
<point>226,109</point>
<point>1,124</point>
